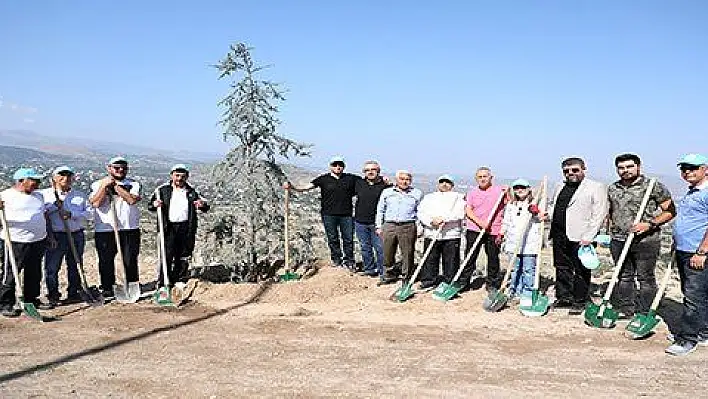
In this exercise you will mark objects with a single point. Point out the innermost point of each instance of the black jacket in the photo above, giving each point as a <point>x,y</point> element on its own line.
<point>192,195</point>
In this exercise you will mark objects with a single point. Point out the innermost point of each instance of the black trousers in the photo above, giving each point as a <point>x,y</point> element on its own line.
<point>492,249</point>
<point>28,257</point>
<point>572,278</point>
<point>639,266</point>
<point>446,250</point>
<point>107,250</point>
<point>177,253</point>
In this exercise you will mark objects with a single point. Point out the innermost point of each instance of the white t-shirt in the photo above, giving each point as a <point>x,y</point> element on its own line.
<point>128,215</point>
<point>25,216</point>
<point>75,202</point>
<point>179,207</point>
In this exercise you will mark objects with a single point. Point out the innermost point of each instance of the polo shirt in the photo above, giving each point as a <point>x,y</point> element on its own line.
<point>336,193</point>
<point>691,218</point>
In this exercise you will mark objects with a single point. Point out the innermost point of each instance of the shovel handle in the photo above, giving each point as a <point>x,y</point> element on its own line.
<point>628,243</point>
<point>542,204</point>
<point>11,255</point>
<point>161,234</point>
<point>119,248</point>
<point>286,231</point>
<point>664,284</point>
<point>70,238</point>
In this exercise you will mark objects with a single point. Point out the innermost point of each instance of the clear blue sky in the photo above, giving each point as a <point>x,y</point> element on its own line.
<point>428,86</point>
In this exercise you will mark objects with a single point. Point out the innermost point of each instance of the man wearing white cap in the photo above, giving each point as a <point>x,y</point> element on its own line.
<point>65,202</point>
<point>179,203</point>
<point>125,193</point>
<point>691,241</point>
<point>444,208</point>
<point>25,213</point>
<point>337,190</point>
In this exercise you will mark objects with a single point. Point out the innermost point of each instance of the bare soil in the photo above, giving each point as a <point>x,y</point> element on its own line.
<point>334,334</point>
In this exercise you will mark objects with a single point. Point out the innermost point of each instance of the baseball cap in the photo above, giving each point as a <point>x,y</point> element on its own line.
<point>520,182</point>
<point>26,173</point>
<point>693,159</point>
<point>62,168</point>
<point>446,177</point>
<point>179,166</point>
<point>117,160</point>
<point>336,158</point>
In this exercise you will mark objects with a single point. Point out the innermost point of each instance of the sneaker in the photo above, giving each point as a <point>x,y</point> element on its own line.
<point>72,299</point>
<point>10,312</point>
<point>577,309</point>
<point>681,348</point>
<point>386,281</point>
<point>477,274</point>
<point>702,341</point>
<point>44,305</point>
<point>426,286</point>
<point>563,304</point>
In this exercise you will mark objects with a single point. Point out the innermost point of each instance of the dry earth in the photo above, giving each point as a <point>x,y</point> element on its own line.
<point>334,334</point>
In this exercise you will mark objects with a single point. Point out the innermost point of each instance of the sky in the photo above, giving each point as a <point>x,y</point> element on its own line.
<point>433,87</point>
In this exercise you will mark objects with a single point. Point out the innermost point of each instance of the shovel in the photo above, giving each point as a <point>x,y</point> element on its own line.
<point>128,292</point>
<point>28,308</point>
<point>603,315</point>
<point>288,275</point>
<point>496,300</point>
<point>444,291</point>
<point>642,325</point>
<point>537,305</point>
<point>163,295</point>
<point>89,294</point>
<point>405,291</point>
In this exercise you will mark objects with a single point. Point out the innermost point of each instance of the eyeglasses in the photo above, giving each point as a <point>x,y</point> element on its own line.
<point>571,170</point>
<point>371,170</point>
<point>118,167</point>
<point>688,168</point>
<point>64,174</point>
<point>337,164</point>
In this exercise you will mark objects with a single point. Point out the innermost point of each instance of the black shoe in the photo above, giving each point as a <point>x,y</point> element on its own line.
<point>72,299</point>
<point>386,281</point>
<point>44,305</point>
<point>563,304</point>
<point>576,309</point>
<point>107,294</point>
<point>10,312</point>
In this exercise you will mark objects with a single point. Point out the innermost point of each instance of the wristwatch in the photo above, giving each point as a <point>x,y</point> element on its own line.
<point>653,224</point>
<point>701,253</point>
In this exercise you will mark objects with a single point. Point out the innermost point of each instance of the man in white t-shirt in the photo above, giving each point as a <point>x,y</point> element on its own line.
<point>25,214</point>
<point>65,202</point>
<point>179,203</point>
<point>125,193</point>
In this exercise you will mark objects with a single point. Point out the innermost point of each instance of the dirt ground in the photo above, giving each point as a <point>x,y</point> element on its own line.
<point>334,334</point>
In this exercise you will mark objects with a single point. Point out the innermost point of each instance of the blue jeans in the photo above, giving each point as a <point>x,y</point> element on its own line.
<point>522,278</point>
<point>52,264</point>
<point>370,242</point>
<point>336,226</point>
<point>694,285</point>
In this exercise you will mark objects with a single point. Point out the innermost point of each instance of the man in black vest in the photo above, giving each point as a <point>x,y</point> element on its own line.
<point>179,203</point>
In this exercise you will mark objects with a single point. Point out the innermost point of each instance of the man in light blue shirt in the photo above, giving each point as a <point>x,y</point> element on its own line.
<point>691,242</point>
<point>396,215</point>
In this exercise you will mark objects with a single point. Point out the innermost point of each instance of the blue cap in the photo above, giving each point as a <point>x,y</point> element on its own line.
<point>26,173</point>
<point>179,166</point>
<point>446,177</point>
<point>693,159</point>
<point>520,182</point>
<point>336,158</point>
<point>117,160</point>
<point>62,168</point>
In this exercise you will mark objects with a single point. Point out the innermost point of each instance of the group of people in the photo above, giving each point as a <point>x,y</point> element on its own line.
<point>388,217</point>
<point>42,225</point>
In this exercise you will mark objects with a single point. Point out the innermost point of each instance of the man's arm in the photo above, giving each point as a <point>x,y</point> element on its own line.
<point>289,186</point>
<point>131,198</point>
<point>100,193</point>
<point>469,212</point>
<point>600,206</point>
<point>668,210</point>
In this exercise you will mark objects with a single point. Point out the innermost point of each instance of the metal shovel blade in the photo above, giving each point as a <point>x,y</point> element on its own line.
<point>495,301</point>
<point>642,325</point>
<point>289,276</point>
<point>163,296</point>
<point>538,305</point>
<point>450,292</point>
<point>29,310</point>
<point>600,316</point>
<point>440,289</point>
<point>131,295</point>
<point>92,296</point>
<point>403,293</point>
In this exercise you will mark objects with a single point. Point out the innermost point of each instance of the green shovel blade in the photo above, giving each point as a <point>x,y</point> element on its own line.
<point>29,310</point>
<point>404,292</point>
<point>600,316</point>
<point>538,306</point>
<point>289,276</point>
<point>440,289</point>
<point>449,293</point>
<point>163,297</point>
<point>495,302</point>
<point>642,324</point>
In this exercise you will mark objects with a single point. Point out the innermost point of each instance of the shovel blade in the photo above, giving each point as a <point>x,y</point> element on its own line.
<point>289,276</point>
<point>29,310</point>
<point>440,289</point>
<point>642,325</point>
<point>92,296</point>
<point>450,292</point>
<point>403,293</point>
<point>538,305</point>
<point>129,295</point>
<point>163,297</point>
<point>495,302</point>
<point>600,316</point>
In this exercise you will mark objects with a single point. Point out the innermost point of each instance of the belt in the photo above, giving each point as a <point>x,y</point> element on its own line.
<point>400,223</point>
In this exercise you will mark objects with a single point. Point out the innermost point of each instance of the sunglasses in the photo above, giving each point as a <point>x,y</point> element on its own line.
<point>371,170</point>
<point>337,164</point>
<point>118,167</point>
<point>688,168</point>
<point>571,170</point>
<point>64,174</point>
<point>519,187</point>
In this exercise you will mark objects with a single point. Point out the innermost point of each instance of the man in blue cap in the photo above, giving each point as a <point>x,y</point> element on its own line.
<point>337,190</point>
<point>179,203</point>
<point>691,242</point>
<point>125,193</point>
<point>65,203</point>
<point>27,227</point>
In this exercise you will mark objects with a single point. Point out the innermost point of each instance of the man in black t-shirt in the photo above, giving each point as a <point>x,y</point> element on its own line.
<point>367,191</point>
<point>337,191</point>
